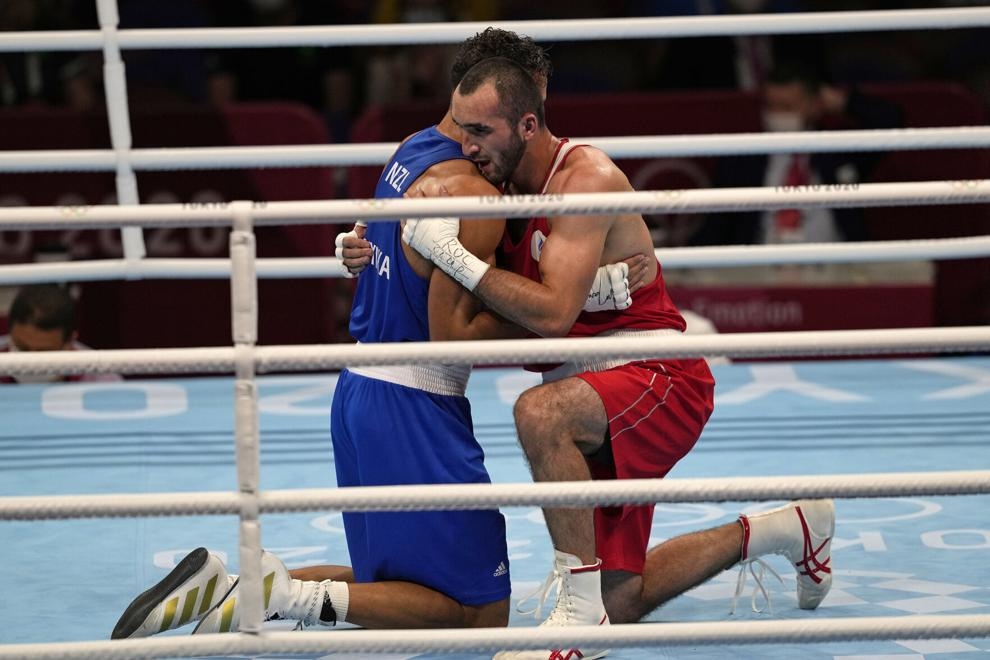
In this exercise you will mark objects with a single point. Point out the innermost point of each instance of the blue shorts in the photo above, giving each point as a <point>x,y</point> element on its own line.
<point>387,434</point>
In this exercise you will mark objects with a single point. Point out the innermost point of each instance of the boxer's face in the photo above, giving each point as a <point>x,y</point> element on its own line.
<point>494,144</point>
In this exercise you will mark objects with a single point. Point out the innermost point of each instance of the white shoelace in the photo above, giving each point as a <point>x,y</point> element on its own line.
<point>760,587</point>
<point>541,593</point>
<point>312,617</point>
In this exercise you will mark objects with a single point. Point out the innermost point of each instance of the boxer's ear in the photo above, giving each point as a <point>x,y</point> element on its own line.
<point>529,125</point>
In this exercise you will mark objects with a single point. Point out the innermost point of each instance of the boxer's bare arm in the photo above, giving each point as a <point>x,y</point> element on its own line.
<point>453,312</point>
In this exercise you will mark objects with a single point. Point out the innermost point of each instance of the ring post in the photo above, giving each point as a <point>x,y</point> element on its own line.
<point>244,325</point>
<point>115,87</point>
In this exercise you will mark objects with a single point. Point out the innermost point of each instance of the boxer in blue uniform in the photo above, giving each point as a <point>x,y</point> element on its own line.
<point>412,424</point>
<point>390,425</point>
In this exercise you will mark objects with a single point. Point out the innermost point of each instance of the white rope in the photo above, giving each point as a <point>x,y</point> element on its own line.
<point>740,345</point>
<point>377,153</point>
<point>449,497</point>
<point>818,253</point>
<point>178,269</point>
<point>544,30</point>
<point>323,357</point>
<point>709,633</point>
<point>704,200</point>
<point>671,258</point>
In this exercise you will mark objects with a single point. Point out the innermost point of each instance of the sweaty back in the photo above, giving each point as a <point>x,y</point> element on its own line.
<point>390,303</point>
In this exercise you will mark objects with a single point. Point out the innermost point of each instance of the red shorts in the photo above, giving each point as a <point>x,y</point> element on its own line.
<point>656,411</point>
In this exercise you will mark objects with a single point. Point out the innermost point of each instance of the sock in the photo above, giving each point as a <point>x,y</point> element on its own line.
<point>335,606</point>
<point>573,561</point>
<point>744,549</point>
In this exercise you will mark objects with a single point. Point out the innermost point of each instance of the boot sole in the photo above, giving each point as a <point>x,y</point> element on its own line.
<point>139,609</point>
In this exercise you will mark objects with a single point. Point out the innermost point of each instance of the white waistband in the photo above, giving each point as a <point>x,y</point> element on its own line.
<point>446,379</point>
<point>568,369</point>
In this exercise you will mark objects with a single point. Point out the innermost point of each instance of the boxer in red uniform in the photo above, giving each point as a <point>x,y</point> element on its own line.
<point>599,418</point>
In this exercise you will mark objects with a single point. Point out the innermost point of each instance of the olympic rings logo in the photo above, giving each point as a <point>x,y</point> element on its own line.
<point>966,184</point>
<point>74,210</point>
<point>666,195</point>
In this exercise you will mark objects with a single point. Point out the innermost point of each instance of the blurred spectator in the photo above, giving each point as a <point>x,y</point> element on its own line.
<point>796,99</point>
<point>419,72</point>
<point>221,82</point>
<point>740,62</point>
<point>82,83</point>
<point>20,73</point>
<point>287,73</point>
<point>33,78</point>
<point>42,318</point>
<point>164,75</point>
<point>221,65</point>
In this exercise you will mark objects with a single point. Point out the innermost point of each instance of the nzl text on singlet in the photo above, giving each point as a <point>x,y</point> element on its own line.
<point>390,303</point>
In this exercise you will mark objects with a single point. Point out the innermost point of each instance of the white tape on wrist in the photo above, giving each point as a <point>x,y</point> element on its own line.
<point>454,259</point>
<point>436,239</point>
<point>610,289</point>
<point>339,252</point>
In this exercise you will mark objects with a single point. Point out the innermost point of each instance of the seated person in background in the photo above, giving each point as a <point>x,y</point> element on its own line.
<point>42,318</point>
<point>796,99</point>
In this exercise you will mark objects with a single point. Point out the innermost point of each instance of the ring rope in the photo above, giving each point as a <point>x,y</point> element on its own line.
<point>964,626</point>
<point>377,153</point>
<point>541,30</point>
<point>451,497</point>
<point>682,257</point>
<point>323,357</point>
<point>819,253</point>
<point>700,200</point>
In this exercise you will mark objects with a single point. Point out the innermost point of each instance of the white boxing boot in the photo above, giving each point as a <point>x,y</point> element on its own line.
<point>189,591</point>
<point>283,597</point>
<point>579,603</point>
<point>802,531</point>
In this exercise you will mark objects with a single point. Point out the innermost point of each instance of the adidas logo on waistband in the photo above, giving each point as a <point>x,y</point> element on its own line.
<point>501,570</point>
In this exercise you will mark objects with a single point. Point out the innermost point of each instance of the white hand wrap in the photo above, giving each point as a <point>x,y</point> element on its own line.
<point>339,249</point>
<point>610,290</point>
<point>436,239</point>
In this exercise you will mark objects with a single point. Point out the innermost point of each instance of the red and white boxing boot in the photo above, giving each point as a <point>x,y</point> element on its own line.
<point>579,603</point>
<point>802,531</point>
